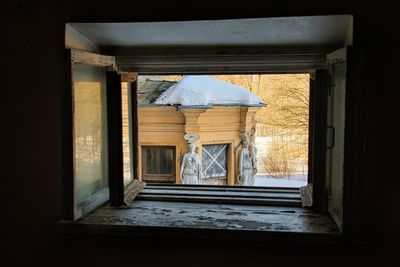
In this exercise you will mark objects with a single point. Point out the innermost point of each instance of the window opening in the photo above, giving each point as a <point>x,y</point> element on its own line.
<point>270,111</point>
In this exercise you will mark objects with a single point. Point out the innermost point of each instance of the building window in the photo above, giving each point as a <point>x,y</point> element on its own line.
<point>158,164</point>
<point>214,162</point>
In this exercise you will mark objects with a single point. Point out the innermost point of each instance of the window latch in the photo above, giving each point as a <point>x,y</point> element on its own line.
<point>332,143</point>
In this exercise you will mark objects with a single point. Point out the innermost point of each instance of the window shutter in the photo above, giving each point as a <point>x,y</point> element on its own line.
<point>89,169</point>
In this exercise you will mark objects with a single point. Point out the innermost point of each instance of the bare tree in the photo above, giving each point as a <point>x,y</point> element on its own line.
<point>285,118</point>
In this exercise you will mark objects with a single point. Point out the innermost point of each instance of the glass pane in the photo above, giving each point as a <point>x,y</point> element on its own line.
<point>90,140</point>
<point>214,161</point>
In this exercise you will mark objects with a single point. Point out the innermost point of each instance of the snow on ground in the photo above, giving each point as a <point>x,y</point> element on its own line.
<point>294,181</point>
<point>194,90</point>
<point>278,182</point>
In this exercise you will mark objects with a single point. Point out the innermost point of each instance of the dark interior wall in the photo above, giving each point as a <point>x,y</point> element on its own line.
<point>31,130</point>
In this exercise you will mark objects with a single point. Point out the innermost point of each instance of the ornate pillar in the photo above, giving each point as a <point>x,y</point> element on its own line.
<point>247,119</point>
<point>192,126</point>
<point>192,119</point>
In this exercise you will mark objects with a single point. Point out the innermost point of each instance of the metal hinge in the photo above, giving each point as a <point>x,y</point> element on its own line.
<point>331,87</point>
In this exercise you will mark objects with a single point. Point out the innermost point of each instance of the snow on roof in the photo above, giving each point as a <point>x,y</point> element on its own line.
<point>150,90</point>
<point>194,90</point>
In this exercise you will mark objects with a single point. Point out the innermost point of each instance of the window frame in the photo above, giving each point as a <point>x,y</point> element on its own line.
<point>227,159</point>
<point>231,160</point>
<point>355,137</point>
<point>115,191</point>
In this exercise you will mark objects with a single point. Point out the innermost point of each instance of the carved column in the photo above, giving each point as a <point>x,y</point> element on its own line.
<point>247,129</point>
<point>192,119</point>
<point>247,119</point>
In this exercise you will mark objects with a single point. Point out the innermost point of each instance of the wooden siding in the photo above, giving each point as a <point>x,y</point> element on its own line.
<point>125,134</point>
<point>166,125</point>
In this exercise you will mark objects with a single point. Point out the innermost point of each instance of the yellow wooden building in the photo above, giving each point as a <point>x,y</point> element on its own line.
<point>162,129</point>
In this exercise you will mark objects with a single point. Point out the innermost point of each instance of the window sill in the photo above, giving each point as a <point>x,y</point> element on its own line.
<point>207,221</point>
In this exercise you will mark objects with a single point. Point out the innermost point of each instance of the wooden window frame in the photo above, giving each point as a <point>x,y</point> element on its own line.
<point>355,137</point>
<point>319,86</point>
<point>115,194</point>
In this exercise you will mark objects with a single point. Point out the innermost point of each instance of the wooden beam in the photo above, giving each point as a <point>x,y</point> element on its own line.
<point>217,64</point>
<point>310,128</point>
<point>322,83</point>
<point>222,200</point>
<point>179,192</point>
<point>212,188</point>
<point>68,166</point>
<point>115,147</point>
<point>128,76</point>
<point>216,60</point>
<point>133,189</point>
<point>84,57</point>
<point>134,129</point>
<point>229,195</point>
<point>355,144</point>
<point>221,189</point>
<point>231,50</point>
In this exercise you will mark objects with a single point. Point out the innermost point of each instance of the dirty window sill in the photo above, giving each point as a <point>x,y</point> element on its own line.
<point>207,221</point>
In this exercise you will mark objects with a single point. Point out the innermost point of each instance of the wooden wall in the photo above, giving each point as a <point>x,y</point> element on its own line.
<point>165,125</point>
<point>128,175</point>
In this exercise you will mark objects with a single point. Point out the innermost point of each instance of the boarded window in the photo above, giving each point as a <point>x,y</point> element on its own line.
<point>214,163</point>
<point>158,163</point>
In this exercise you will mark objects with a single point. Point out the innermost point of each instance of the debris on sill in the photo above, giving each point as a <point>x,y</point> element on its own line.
<point>132,190</point>
<point>306,193</point>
